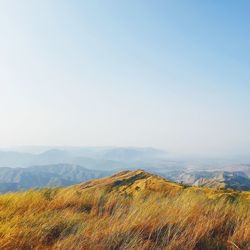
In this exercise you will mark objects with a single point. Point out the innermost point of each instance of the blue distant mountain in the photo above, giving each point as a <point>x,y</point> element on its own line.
<point>16,179</point>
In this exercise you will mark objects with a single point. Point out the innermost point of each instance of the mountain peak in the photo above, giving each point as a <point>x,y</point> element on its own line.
<point>132,182</point>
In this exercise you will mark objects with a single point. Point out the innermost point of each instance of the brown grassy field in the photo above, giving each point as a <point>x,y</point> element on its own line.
<point>130,210</point>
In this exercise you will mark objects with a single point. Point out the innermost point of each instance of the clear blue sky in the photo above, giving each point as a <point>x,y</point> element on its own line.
<point>168,74</point>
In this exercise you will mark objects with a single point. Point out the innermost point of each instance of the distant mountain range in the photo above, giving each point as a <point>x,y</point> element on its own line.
<point>214,179</point>
<point>233,180</point>
<point>98,158</point>
<point>33,167</point>
<point>15,179</point>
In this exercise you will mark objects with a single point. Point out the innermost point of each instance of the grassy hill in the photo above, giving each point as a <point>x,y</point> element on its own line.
<point>129,210</point>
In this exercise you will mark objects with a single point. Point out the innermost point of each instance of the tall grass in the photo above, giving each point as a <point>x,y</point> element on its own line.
<point>136,214</point>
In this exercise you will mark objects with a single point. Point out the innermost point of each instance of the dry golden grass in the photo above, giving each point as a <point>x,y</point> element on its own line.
<point>130,210</point>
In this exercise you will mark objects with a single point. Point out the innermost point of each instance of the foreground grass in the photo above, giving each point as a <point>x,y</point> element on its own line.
<point>131,210</point>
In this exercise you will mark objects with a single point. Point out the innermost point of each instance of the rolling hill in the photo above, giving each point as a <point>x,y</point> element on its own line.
<point>129,210</point>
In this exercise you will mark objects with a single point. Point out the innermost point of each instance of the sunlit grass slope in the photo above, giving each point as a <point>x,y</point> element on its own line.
<point>129,210</point>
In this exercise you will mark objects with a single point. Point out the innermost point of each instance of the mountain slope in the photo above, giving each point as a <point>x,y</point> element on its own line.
<point>129,210</point>
<point>131,182</point>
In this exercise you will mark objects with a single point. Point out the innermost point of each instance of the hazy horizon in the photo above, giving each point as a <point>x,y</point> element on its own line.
<point>235,158</point>
<point>169,75</point>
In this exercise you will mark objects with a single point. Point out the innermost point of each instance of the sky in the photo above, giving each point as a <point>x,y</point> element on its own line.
<point>167,74</point>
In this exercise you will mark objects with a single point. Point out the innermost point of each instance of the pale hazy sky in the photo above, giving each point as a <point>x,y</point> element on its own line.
<point>167,74</point>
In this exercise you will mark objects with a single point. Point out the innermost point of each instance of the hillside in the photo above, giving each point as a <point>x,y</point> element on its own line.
<point>129,210</point>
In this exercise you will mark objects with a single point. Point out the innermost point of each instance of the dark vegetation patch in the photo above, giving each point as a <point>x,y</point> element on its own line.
<point>128,181</point>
